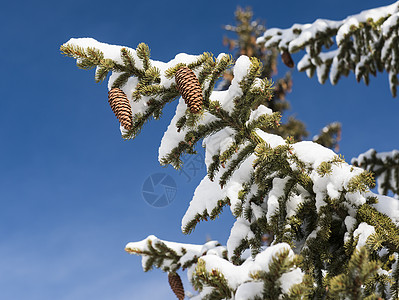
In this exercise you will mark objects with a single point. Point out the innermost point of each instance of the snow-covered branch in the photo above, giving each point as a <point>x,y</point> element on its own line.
<point>364,44</point>
<point>385,167</point>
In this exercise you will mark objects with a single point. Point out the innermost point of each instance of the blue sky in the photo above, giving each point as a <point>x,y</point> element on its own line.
<point>70,187</point>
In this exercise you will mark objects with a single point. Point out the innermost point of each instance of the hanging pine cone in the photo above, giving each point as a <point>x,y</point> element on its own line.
<point>121,107</point>
<point>190,89</point>
<point>287,59</point>
<point>176,285</point>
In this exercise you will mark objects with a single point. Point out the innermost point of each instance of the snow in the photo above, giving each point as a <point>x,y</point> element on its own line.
<point>309,31</point>
<point>334,71</point>
<point>249,290</point>
<point>356,198</point>
<point>217,143</point>
<point>208,193</point>
<point>350,223</point>
<point>110,51</point>
<point>274,195</point>
<point>241,68</point>
<point>257,210</point>
<point>389,23</point>
<point>271,139</point>
<point>292,204</point>
<point>363,231</point>
<point>332,191</point>
<point>205,197</point>
<point>289,279</point>
<point>312,153</point>
<point>388,206</point>
<point>261,110</point>
<point>240,231</point>
<point>386,49</point>
<point>235,275</point>
<point>304,63</point>
<point>322,69</point>
<point>172,137</point>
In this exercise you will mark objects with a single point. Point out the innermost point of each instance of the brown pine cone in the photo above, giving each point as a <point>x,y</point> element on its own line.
<point>287,59</point>
<point>121,107</point>
<point>176,285</point>
<point>189,88</point>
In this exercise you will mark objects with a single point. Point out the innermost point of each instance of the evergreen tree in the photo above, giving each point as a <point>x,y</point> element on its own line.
<point>333,238</point>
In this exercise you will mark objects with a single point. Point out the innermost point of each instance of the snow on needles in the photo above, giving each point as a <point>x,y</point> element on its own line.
<point>362,232</point>
<point>239,275</point>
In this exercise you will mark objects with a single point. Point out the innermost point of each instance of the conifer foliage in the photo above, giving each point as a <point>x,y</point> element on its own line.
<point>333,238</point>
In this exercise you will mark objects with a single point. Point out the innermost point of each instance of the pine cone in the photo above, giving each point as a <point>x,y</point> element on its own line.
<point>287,59</point>
<point>176,285</point>
<point>190,89</point>
<point>121,107</point>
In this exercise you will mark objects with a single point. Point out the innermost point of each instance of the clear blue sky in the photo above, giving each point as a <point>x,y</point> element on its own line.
<point>70,187</point>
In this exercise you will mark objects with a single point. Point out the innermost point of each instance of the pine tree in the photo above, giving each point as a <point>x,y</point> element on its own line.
<point>333,238</point>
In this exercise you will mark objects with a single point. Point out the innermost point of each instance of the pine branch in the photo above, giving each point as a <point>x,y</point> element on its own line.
<point>329,136</point>
<point>215,279</point>
<point>383,226</point>
<point>170,256</point>
<point>349,286</point>
<point>280,264</point>
<point>235,163</point>
<point>158,255</point>
<point>366,44</point>
<point>384,166</point>
<point>222,65</point>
